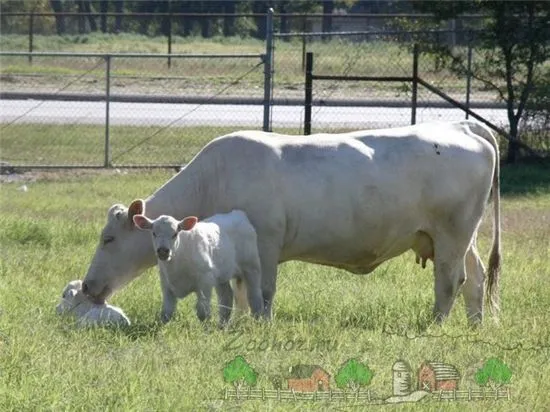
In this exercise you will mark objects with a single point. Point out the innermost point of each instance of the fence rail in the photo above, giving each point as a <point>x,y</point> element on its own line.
<point>473,395</point>
<point>292,395</point>
<point>366,396</point>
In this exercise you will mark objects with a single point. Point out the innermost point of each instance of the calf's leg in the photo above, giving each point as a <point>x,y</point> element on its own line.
<point>169,300</point>
<point>225,301</point>
<point>203,304</point>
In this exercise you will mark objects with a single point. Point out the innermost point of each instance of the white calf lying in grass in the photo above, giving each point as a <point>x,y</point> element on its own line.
<point>74,302</point>
<point>197,256</point>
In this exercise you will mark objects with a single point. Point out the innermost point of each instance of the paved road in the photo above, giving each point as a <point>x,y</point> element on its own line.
<point>238,116</point>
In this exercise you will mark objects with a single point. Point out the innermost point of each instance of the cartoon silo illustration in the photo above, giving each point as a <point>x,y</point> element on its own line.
<point>402,378</point>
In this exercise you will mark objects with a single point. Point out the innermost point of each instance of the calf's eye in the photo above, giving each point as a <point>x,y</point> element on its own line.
<point>108,239</point>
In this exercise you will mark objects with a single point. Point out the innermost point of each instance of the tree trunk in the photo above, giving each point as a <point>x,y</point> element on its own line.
<point>260,7</point>
<point>103,7</point>
<point>284,19</point>
<point>229,21</point>
<point>164,7</point>
<point>85,8</point>
<point>57,8</point>
<point>328,8</point>
<point>119,8</point>
<point>513,146</point>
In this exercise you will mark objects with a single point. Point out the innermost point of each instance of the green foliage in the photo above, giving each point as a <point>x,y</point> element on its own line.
<point>353,374</point>
<point>238,371</point>
<point>512,48</point>
<point>493,371</point>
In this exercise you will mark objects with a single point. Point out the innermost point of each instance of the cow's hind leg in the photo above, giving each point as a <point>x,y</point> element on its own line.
<point>450,272</point>
<point>474,287</point>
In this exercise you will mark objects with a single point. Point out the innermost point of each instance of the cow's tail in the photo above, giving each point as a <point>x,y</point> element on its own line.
<point>493,271</point>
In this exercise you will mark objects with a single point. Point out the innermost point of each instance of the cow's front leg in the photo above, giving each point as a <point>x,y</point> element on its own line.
<point>169,300</point>
<point>269,258</point>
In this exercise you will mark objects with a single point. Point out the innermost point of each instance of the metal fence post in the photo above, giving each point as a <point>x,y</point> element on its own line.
<point>304,40</point>
<point>414,84</point>
<point>107,162</point>
<point>169,36</point>
<point>268,71</point>
<point>309,93</point>
<point>469,77</point>
<point>31,34</point>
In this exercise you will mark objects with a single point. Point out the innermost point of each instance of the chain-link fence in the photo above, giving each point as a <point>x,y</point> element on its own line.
<point>123,109</point>
<point>381,55</point>
<point>116,107</point>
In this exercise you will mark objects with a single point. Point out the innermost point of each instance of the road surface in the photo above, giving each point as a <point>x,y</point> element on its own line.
<point>238,116</point>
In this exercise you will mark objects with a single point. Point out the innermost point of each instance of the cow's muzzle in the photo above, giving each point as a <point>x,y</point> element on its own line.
<point>163,253</point>
<point>98,298</point>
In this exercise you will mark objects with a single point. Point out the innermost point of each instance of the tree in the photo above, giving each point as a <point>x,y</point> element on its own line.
<point>353,374</point>
<point>494,372</point>
<point>238,371</point>
<point>84,7</point>
<point>104,8</point>
<point>513,46</point>
<point>57,7</point>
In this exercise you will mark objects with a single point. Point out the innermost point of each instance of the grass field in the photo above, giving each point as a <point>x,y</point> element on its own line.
<point>79,144</point>
<point>323,316</point>
<point>377,57</point>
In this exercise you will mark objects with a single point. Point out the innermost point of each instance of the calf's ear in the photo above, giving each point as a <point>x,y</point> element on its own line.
<point>137,207</point>
<point>142,222</point>
<point>188,223</point>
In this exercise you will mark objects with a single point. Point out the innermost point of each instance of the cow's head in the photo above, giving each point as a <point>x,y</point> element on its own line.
<point>122,254</point>
<point>165,230</point>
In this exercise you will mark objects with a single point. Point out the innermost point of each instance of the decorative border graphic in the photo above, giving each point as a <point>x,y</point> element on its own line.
<point>433,380</point>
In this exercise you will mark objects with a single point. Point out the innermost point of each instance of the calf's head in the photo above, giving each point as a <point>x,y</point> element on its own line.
<point>122,254</point>
<point>165,230</point>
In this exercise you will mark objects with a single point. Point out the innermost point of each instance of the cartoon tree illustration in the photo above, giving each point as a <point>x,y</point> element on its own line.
<point>238,372</point>
<point>494,373</point>
<point>353,374</point>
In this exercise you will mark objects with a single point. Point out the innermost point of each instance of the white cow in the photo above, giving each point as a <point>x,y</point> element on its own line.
<point>350,200</point>
<point>75,302</point>
<point>198,256</point>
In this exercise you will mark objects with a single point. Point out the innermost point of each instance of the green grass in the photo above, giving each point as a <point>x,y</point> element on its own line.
<point>48,234</point>
<point>335,57</point>
<point>85,145</point>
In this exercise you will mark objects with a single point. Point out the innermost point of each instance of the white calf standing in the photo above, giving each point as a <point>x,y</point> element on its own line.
<point>197,256</point>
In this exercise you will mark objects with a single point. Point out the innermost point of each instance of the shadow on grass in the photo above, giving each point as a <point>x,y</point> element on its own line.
<point>525,178</point>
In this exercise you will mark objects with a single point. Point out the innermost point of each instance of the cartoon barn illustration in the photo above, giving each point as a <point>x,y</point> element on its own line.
<point>435,376</point>
<point>402,378</point>
<point>308,378</point>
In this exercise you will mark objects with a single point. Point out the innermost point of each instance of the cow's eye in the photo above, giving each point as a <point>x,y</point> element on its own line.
<point>175,235</point>
<point>154,234</point>
<point>108,239</point>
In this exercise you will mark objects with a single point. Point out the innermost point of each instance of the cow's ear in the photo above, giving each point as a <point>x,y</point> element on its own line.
<point>188,223</point>
<point>137,207</point>
<point>142,222</point>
